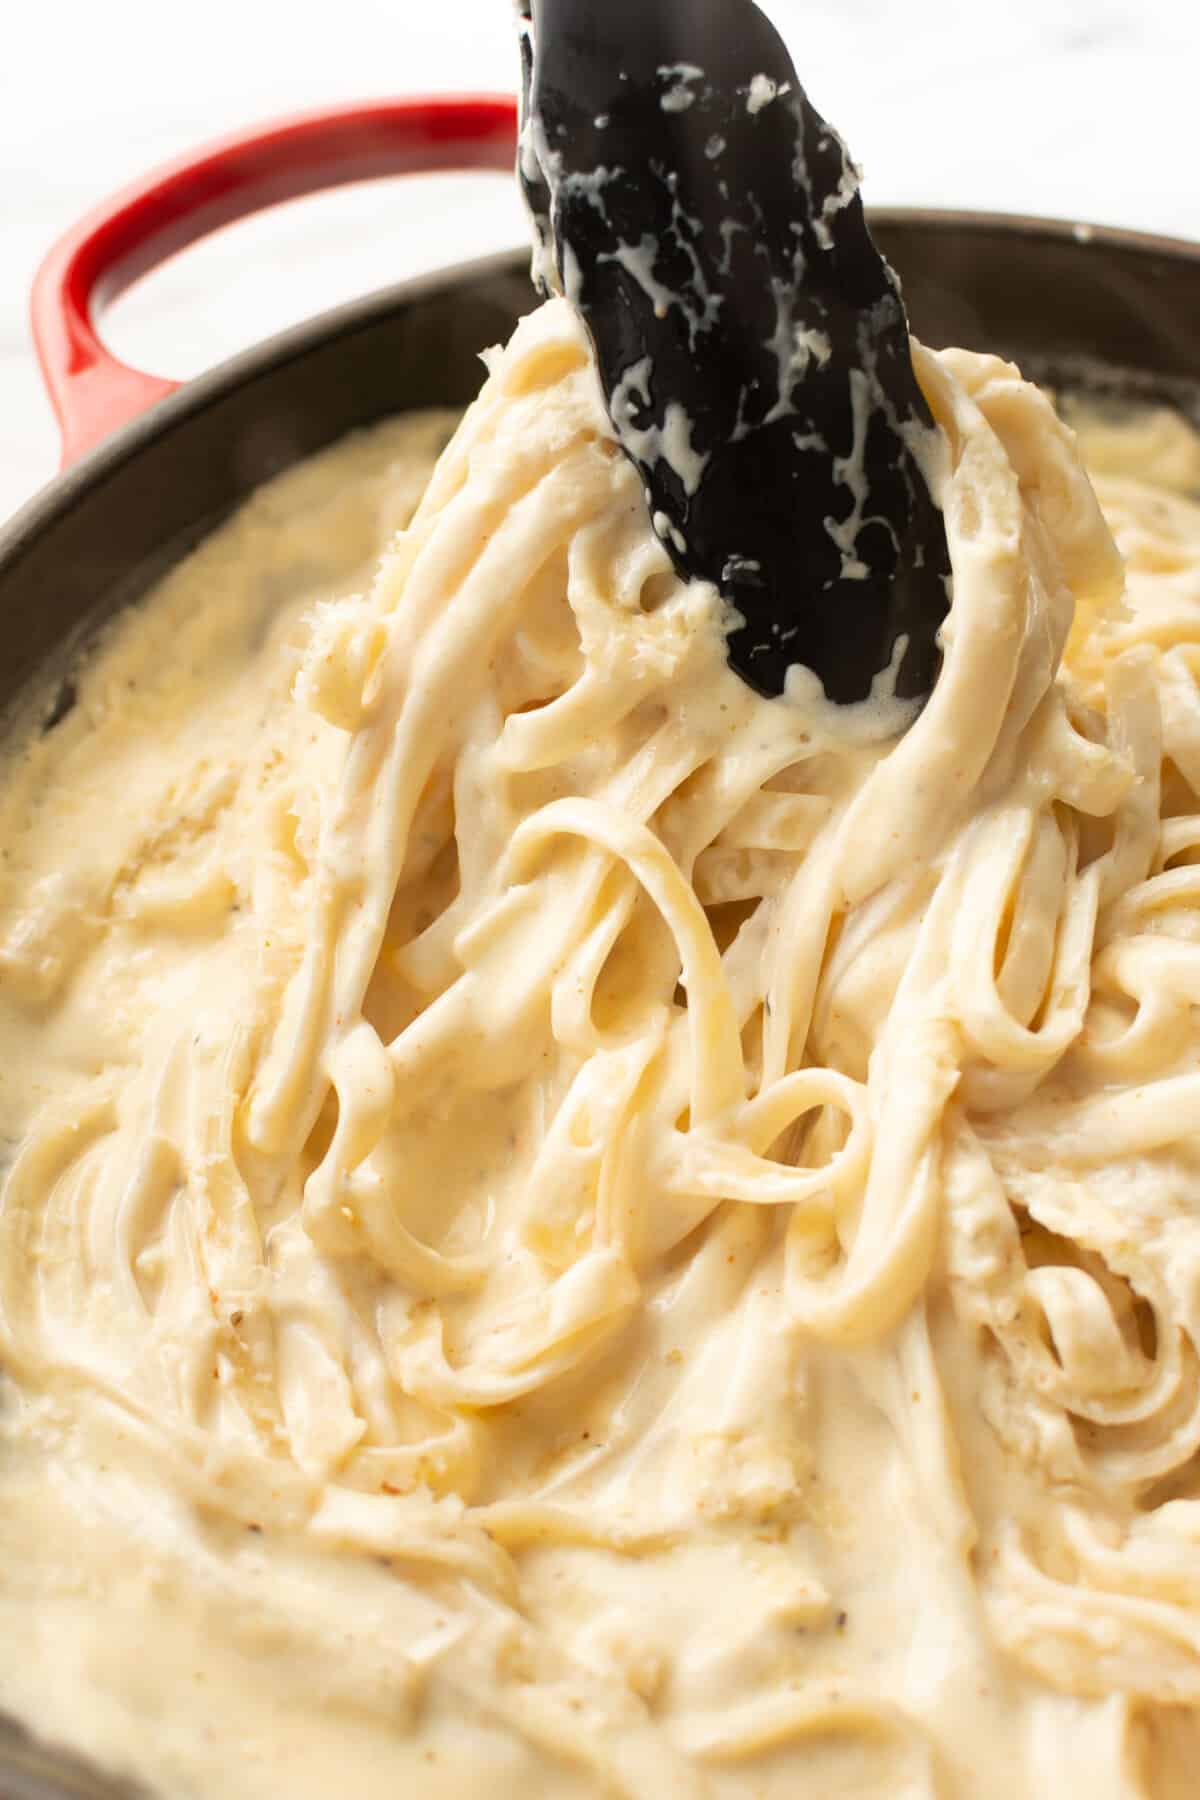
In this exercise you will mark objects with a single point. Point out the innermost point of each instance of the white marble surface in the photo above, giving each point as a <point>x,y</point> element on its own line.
<point>1080,108</point>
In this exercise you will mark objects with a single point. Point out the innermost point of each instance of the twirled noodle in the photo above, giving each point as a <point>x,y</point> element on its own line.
<point>614,1235</point>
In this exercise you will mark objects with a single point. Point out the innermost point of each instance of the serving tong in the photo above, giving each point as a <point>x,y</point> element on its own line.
<point>751,341</point>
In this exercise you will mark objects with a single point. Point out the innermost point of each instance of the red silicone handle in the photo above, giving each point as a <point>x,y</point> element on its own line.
<point>92,392</point>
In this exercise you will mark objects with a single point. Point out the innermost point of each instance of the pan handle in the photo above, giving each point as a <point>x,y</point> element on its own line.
<point>92,392</point>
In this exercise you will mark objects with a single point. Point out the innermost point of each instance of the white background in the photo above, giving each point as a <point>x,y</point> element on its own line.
<point>1078,108</point>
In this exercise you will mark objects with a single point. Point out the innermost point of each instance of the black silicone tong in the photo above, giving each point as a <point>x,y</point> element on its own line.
<point>751,341</point>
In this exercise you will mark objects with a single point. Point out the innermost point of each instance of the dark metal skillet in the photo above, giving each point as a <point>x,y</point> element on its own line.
<point>1109,310</point>
<point>751,341</point>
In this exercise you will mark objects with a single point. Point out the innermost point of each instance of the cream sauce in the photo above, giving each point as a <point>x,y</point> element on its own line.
<point>573,1230</point>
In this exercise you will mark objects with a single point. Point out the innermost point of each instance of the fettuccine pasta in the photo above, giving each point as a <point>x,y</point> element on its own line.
<point>572,1229</point>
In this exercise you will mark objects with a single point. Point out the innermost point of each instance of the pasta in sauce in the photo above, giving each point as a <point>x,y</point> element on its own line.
<point>573,1229</point>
